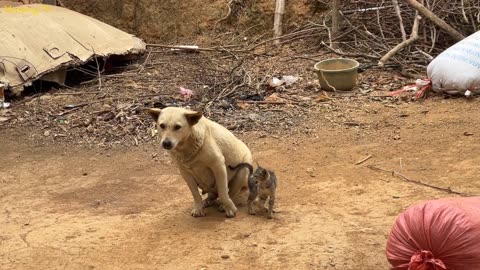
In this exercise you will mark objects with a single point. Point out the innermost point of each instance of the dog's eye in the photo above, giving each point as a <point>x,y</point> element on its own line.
<point>177,127</point>
<point>162,126</point>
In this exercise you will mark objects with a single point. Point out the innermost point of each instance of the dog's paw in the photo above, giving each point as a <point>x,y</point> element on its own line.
<point>231,211</point>
<point>196,212</point>
<point>251,212</point>
<point>221,208</point>
<point>269,215</point>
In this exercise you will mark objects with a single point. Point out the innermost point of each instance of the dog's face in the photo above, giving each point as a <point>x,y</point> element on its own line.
<point>173,124</point>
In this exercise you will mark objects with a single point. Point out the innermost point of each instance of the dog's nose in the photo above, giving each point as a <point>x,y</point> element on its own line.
<point>167,144</point>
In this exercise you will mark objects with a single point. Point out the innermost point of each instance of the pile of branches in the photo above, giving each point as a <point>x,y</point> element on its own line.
<point>373,28</point>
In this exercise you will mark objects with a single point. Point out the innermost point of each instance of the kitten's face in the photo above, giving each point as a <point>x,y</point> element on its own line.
<point>260,175</point>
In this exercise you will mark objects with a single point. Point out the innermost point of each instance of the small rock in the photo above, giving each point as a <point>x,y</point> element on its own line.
<point>468,134</point>
<point>306,98</point>
<point>45,97</point>
<point>247,235</point>
<point>311,172</point>
<point>46,133</point>
<point>84,174</point>
<point>225,257</point>
<point>253,116</point>
<point>396,197</point>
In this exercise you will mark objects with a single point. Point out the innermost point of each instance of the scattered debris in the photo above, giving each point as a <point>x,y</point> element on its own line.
<point>113,116</point>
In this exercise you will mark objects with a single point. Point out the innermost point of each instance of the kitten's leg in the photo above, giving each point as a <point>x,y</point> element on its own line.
<point>271,202</point>
<point>262,201</point>
<point>210,200</point>
<point>251,198</point>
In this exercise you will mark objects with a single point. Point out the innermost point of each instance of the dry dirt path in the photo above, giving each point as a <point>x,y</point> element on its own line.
<point>72,208</point>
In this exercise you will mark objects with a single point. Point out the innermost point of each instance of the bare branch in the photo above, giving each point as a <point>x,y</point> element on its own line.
<point>435,19</point>
<point>406,43</point>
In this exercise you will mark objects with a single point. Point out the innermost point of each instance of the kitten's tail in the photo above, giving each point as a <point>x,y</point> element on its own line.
<point>241,166</point>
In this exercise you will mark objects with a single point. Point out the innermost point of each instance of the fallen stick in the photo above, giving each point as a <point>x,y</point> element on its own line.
<point>145,62</point>
<point>403,44</point>
<point>76,93</point>
<point>228,13</point>
<point>400,19</point>
<point>349,54</point>
<point>265,102</point>
<point>98,71</point>
<point>406,179</point>
<point>364,159</point>
<point>193,48</point>
<point>435,19</point>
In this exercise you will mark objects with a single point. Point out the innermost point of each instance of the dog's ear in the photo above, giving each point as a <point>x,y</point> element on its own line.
<point>193,117</point>
<point>153,112</point>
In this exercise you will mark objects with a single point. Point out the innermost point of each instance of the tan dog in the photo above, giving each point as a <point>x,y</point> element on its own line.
<point>202,150</point>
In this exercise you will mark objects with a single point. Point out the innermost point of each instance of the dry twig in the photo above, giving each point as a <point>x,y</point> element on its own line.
<point>435,19</point>
<point>407,179</point>
<point>363,160</point>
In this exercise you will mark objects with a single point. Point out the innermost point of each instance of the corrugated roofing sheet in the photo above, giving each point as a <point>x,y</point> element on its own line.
<point>38,39</point>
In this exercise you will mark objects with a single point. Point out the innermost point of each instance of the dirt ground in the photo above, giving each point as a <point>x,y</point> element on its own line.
<point>67,207</point>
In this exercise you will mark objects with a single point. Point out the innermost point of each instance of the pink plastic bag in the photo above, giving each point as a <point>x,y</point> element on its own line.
<point>437,235</point>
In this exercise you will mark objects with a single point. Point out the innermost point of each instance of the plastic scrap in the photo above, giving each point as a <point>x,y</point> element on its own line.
<point>185,93</point>
<point>287,80</point>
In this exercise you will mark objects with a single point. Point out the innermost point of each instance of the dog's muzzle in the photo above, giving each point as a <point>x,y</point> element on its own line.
<point>167,144</point>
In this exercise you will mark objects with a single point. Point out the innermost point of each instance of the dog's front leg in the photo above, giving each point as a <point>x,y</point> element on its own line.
<point>221,180</point>
<point>198,210</point>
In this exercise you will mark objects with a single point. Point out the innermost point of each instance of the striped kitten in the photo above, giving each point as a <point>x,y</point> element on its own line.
<point>262,183</point>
